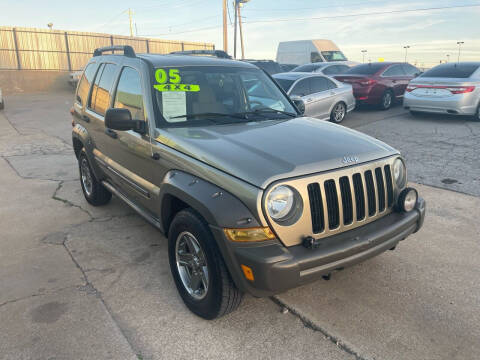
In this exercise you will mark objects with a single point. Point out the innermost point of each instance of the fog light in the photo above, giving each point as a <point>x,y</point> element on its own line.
<point>408,199</point>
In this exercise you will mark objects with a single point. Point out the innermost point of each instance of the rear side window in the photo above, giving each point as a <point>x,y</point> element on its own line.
<point>395,70</point>
<point>102,90</point>
<point>365,69</point>
<point>319,84</point>
<point>331,70</point>
<point>302,88</point>
<point>129,93</point>
<point>451,71</point>
<point>85,82</point>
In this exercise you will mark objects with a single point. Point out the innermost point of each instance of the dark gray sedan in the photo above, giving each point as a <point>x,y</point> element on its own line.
<point>325,98</point>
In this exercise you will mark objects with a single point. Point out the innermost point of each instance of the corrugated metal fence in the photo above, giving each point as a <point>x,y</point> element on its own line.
<point>37,49</point>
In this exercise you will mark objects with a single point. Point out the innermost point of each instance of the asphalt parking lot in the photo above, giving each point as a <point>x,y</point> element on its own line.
<point>83,282</point>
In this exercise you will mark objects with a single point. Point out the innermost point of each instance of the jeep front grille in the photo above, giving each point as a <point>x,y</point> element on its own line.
<point>335,203</point>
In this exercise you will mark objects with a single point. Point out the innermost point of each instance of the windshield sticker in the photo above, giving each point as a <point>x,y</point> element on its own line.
<point>171,81</point>
<point>174,104</point>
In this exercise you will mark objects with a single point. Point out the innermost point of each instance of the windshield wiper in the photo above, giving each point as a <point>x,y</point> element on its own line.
<point>262,111</point>
<point>209,114</point>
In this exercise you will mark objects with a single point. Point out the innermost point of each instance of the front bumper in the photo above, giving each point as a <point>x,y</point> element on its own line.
<point>277,268</point>
<point>457,104</point>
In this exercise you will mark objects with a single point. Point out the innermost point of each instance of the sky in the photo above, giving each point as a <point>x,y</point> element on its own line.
<point>383,28</point>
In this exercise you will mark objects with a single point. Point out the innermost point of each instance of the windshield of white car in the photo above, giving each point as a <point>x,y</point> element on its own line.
<point>334,56</point>
<point>206,95</point>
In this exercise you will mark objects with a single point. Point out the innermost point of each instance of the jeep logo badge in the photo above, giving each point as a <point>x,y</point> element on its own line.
<point>349,159</point>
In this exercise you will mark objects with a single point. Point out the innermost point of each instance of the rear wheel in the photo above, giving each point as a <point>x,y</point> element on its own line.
<point>387,100</point>
<point>93,190</point>
<point>338,113</point>
<point>198,270</point>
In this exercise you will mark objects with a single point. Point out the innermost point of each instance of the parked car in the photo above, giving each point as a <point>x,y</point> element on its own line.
<point>253,198</point>
<point>215,53</point>
<point>452,88</point>
<point>324,98</point>
<point>379,83</point>
<point>270,66</point>
<point>308,51</point>
<point>74,78</point>
<point>329,69</point>
<point>288,67</point>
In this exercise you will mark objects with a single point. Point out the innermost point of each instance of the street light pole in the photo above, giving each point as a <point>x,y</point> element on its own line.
<point>448,58</point>
<point>459,43</point>
<point>406,49</point>
<point>363,55</point>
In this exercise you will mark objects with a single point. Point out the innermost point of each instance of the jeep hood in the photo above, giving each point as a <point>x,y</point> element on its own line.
<point>262,152</point>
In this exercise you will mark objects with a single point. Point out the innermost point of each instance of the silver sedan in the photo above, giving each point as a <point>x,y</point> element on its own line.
<point>324,98</point>
<point>326,68</point>
<point>452,88</point>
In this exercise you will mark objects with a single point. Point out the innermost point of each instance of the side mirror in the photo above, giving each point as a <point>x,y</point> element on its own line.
<point>121,119</point>
<point>299,103</point>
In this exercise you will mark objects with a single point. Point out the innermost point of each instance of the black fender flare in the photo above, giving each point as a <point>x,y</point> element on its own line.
<point>81,136</point>
<point>217,206</point>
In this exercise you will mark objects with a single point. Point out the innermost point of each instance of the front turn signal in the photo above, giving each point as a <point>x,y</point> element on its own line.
<point>249,234</point>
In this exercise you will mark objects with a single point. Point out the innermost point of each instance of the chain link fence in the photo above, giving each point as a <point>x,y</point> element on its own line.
<point>38,49</point>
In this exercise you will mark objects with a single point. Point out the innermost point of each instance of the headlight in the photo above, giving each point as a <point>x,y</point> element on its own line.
<point>399,173</point>
<point>280,202</point>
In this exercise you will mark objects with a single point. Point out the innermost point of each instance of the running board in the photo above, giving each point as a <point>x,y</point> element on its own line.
<point>134,206</point>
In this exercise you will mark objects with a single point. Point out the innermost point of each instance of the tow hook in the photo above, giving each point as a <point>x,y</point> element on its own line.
<point>310,243</point>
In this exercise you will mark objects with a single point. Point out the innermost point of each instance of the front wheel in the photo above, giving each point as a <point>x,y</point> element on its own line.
<point>338,113</point>
<point>476,117</point>
<point>387,100</point>
<point>198,270</point>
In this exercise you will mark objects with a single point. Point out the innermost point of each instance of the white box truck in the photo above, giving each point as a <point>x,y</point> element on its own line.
<point>308,51</point>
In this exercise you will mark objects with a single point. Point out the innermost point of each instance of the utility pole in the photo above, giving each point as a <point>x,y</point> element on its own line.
<point>225,40</point>
<point>241,32</point>
<point>363,55</point>
<point>130,13</point>
<point>406,49</point>
<point>235,30</point>
<point>459,43</point>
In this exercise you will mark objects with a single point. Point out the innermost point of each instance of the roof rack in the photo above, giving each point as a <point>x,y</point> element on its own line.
<point>217,53</point>
<point>127,50</point>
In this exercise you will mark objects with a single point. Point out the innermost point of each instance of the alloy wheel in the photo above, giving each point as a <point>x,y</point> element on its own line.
<point>191,265</point>
<point>387,100</point>
<point>338,113</point>
<point>86,177</point>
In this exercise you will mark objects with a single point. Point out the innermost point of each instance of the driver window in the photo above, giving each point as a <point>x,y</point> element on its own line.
<point>302,88</point>
<point>129,93</point>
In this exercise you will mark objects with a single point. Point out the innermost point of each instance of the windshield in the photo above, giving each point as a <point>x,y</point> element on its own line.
<point>365,69</point>
<point>205,95</point>
<point>451,71</point>
<point>334,56</point>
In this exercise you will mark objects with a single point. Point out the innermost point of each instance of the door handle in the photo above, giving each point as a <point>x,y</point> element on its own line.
<point>85,118</point>
<point>111,133</point>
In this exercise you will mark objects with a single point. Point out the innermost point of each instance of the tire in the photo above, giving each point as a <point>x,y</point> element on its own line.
<point>387,100</point>
<point>93,190</point>
<point>338,113</point>
<point>476,117</point>
<point>215,294</point>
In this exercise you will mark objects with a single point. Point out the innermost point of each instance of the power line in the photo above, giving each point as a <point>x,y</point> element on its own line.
<point>111,19</point>
<point>314,8</point>
<point>330,17</point>
<point>364,14</point>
